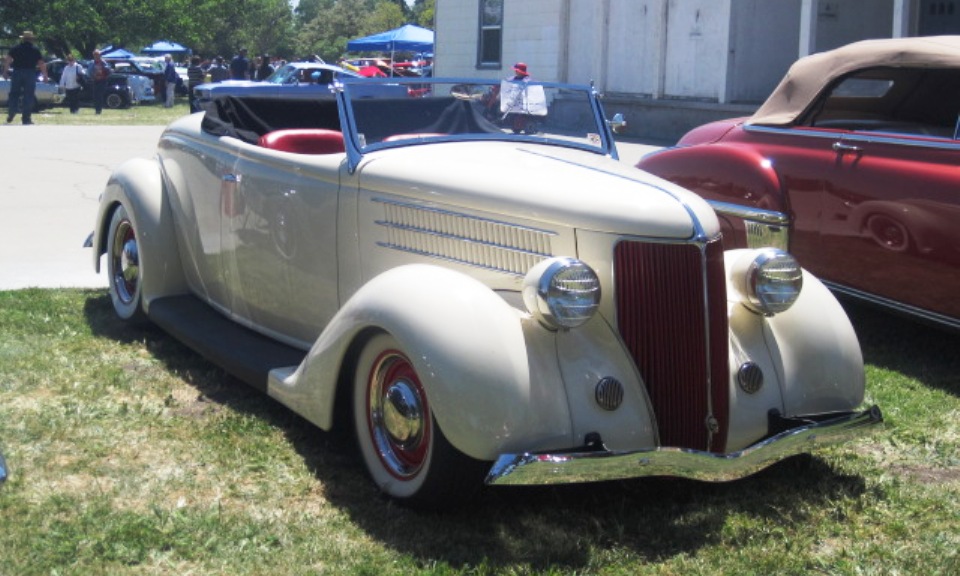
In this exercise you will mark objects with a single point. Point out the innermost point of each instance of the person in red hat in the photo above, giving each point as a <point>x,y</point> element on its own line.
<point>492,99</point>
<point>520,72</point>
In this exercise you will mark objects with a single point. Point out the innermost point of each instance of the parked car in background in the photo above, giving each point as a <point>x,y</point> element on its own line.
<point>296,80</point>
<point>123,90</point>
<point>855,155</point>
<point>47,94</point>
<point>148,67</point>
<point>479,304</point>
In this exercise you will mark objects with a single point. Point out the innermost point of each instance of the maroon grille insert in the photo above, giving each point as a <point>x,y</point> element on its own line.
<point>662,317</point>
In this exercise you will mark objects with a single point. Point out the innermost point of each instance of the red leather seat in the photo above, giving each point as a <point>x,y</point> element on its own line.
<point>304,141</point>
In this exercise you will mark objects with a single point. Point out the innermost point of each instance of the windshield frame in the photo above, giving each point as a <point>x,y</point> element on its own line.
<point>599,141</point>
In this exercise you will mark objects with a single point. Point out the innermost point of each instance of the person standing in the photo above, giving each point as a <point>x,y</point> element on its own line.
<point>240,66</point>
<point>21,67</point>
<point>71,80</point>
<point>170,76</point>
<point>99,72</point>
<point>195,77</point>
<point>219,72</point>
<point>264,70</point>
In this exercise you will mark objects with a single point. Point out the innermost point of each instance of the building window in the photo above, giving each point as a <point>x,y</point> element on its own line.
<point>491,34</point>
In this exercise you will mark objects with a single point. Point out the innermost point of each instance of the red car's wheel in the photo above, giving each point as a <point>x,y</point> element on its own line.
<point>404,450</point>
<point>123,266</point>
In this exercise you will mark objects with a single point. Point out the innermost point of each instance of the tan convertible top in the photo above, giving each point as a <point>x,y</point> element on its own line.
<point>807,77</point>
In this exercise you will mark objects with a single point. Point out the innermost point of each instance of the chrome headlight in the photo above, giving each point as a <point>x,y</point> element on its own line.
<point>561,292</point>
<point>769,280</point>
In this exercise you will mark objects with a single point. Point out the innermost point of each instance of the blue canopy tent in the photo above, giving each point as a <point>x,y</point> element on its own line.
<point>111,52</point>
<point>407,38</point>
<point>161,47</point>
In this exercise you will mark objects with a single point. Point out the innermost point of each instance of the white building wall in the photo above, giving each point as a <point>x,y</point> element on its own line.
<point>588,41</point>
<point>636,40</point>
<point>455,39</point>
<point>534,37</point>
<point>841,22</point>
<point>764,42</point>
<point>697,44</point>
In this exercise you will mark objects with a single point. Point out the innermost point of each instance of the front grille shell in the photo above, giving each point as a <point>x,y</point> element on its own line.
<point>672,317</point>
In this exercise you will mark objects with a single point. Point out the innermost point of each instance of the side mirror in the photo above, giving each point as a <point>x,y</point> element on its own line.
<point>618,123</point>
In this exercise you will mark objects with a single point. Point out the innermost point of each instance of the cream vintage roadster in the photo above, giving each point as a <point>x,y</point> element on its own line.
<point>464,273</point>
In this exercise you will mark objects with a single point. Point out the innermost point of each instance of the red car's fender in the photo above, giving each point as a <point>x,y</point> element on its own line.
<point>724,173</point>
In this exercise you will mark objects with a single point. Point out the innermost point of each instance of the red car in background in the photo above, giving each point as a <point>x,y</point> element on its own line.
<point>853,163</point>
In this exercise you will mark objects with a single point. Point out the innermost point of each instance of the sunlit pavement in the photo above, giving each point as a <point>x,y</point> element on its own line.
<point>50,180</point>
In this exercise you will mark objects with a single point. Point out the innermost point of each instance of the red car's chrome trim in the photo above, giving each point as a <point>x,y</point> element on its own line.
<point>855,136</point>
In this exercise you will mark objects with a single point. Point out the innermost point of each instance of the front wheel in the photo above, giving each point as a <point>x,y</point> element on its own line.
<point>123,267</point>
<point>404,450</point>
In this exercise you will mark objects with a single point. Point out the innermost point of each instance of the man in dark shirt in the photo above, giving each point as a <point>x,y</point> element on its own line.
<point>21,67</point>
<point>240,66</point>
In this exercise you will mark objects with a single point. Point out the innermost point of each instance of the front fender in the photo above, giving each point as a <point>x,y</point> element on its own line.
<point>810,357</point>
<point>489,370</point>
<point>724,173</point>
<point>137,185</point>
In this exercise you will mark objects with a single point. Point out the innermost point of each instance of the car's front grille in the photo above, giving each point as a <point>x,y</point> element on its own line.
<point>671,313</point>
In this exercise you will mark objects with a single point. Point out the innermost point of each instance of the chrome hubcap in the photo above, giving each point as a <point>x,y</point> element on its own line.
<point>397,415</point>
<point>126,263</point>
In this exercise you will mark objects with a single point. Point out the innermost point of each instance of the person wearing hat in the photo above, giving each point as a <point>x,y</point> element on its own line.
<point>22,63</point>
<point>520,72</point>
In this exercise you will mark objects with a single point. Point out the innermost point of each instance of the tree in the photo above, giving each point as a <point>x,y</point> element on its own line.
<point>206,26</point>
<point>327,34</point>
<point>424,13</point>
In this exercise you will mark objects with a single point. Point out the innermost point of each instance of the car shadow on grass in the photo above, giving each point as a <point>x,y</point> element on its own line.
<point>921,351</point>
<point>564,527</point>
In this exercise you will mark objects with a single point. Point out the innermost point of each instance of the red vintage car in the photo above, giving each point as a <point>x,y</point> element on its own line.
<point>853,163</point>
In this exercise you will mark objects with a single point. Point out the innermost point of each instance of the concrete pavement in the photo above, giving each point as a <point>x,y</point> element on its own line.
<point>50,181</point>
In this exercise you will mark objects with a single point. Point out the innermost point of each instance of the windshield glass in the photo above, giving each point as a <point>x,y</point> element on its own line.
<point>305,74</point>
<point>396,112</point>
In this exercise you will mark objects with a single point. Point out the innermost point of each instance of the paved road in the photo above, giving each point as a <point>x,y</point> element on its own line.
<point>50,180</point>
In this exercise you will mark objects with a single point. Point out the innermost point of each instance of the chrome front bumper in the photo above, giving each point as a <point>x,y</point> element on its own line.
<point>600,465</point>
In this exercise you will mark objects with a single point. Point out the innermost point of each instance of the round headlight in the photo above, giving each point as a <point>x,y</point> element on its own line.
<point>770,280</point>
<point>561,292</point>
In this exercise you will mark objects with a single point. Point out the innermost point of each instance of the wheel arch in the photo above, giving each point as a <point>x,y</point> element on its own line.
<point>138,186</point>
<point>471,353</point>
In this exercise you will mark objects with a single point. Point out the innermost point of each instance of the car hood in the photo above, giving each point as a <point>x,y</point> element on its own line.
<point>548,184</point>
<point>233,84</point>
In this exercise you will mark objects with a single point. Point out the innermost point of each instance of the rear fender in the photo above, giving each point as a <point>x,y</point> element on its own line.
<point>138,186</point>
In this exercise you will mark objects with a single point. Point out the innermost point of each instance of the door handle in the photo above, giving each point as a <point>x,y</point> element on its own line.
<point>841,148</point>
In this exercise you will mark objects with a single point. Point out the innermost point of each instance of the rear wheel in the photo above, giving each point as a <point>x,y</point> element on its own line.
<point>123,267</point>
<point>405,452</point>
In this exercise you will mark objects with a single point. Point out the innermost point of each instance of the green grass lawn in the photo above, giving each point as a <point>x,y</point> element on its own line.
<point>130,454</point>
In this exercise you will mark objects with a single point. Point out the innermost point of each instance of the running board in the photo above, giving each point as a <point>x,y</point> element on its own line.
<point>246,354</point>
